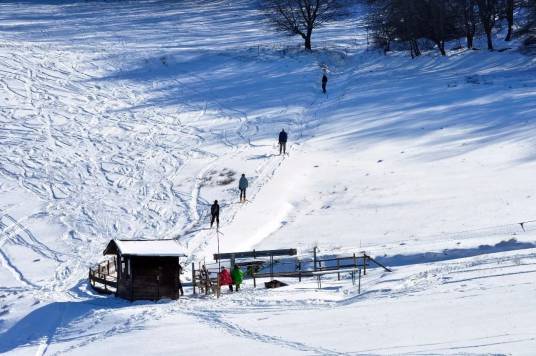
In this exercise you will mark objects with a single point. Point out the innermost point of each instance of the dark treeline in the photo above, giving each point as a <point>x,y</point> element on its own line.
<point>438,21</point>
<point>410,24</point>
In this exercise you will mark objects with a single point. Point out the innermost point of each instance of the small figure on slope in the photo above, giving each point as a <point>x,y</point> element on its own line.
<point>242,185</point>
<point>225,278</point>
<point>215,214</point>
<point>238,276</point>
<point>283,141</point>
<point>324,82</point>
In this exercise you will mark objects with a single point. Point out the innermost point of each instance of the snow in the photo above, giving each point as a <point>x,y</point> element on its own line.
<point>170,248</point>
<point>112,128</point>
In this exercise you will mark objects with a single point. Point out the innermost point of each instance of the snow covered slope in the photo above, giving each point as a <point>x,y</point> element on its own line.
<point>127,119</point>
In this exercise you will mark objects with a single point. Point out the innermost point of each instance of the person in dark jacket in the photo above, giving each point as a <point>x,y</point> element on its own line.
<point>215,213</point>
<point>324,82</point>
<point>283,141</point>
<point>242,185</point>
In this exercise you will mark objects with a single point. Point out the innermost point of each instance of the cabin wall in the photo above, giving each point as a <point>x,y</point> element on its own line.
<point>124,277</point>
<point>150,278</point>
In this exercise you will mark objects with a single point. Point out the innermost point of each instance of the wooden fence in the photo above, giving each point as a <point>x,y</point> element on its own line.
<point>205,277</point>
<point>103,277</point>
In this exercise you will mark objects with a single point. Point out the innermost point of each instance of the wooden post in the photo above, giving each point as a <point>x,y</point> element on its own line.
<point>299,271</point>
<point>355,261</point>
<point>271,268</point>
<point>131,278</point>
<point>359,283</point>
<point>158,286</point>
<point>193,277</point>
<point>207,279</point>
<point>364,265</point>
<point>379,264</point>
<point>254,280</point>
<point>105,284</point>
<point>314,258</point>
<point>218,286</point>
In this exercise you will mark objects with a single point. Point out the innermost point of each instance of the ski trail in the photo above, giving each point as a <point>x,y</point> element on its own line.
<point>13,233</point>
<point>215,320</point>
<point>15,272</point>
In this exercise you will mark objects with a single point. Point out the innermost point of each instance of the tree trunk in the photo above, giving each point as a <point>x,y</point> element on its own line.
<point>469,37</point>
<point>441,46</point>
<point>490,41</point>
<point>308,39</point>
<point>509,18</point>
<point>308,43</point>
<point>415,51</point>
<point>470,27</point>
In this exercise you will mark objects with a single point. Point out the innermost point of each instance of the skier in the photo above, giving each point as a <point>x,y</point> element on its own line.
<point>324,82</point>
<point>225,278</point>
<point>238,276</point>
<point>215,213</point>
<point>283,141</point>
<point>242,185</point>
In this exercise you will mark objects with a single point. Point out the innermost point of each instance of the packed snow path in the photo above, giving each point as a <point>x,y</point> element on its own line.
<point>100,143</point>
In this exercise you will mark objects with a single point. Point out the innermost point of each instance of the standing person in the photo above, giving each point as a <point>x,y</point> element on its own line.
<point>242,185</point>
<point>238,276</point>
<point>324,82</point>
<point>283,141</point>
<point>215,213</point>
<point>225,278</point>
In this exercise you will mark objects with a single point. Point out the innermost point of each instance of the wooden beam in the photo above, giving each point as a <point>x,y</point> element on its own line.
<point>255,254</point>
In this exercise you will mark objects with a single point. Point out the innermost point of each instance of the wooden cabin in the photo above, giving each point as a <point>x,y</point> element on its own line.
<point>146,269</point>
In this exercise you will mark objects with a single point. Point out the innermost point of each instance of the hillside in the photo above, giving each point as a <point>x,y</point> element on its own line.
<point>128,119</point>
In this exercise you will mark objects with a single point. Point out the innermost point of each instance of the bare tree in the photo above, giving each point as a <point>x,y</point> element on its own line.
<point>488,12</point>
<point>410,21</point>
<point>301,17</point>
<point>438,22</point>
<point>509,14</point>
<point>468,16</point>
<point>528,25</point>
<point>394,21</point>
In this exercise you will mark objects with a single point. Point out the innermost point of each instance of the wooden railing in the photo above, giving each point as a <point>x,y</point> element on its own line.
<point>205,278</point>
<point>103,277</point>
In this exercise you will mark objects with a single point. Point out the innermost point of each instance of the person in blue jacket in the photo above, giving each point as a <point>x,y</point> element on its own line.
<point>242,185</point>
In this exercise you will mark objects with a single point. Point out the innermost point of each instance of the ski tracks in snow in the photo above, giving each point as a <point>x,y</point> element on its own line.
<point>215,320</point>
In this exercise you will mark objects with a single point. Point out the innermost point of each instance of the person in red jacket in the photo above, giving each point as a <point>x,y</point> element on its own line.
<point>225,278</point>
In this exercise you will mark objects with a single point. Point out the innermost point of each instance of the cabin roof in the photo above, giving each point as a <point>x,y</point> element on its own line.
<point>155,248</point>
